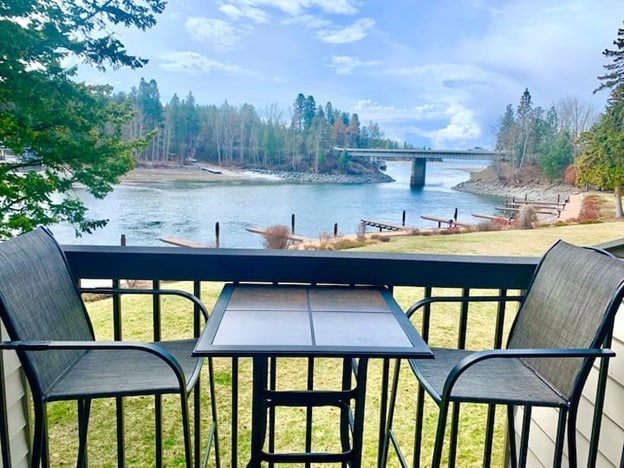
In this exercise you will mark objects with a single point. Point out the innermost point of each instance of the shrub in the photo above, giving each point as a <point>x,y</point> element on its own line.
<point>526,219</point>
<point>590,210</point>
<point>277,237</point>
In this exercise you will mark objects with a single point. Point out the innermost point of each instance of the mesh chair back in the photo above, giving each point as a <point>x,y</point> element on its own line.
<point>39,301</point>
<point>571,303</point>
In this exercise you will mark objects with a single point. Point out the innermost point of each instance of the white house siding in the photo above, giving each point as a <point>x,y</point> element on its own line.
<point>541,444</point>
<point>17,412</point>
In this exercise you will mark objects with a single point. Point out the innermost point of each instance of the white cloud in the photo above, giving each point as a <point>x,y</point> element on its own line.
<point>460,130</point>
<point>353,33</point>
<point>344,64</point>
<point>218,34</point>
<point>237,12</point>
<point>307,21</point>
<point>193,62</point>
<point>298,7</point>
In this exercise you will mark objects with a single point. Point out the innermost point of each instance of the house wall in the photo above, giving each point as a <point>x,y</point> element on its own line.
<point>541,442</point>
<point>17,408</point>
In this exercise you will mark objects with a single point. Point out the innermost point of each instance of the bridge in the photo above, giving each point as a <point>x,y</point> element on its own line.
<point>419,157</point>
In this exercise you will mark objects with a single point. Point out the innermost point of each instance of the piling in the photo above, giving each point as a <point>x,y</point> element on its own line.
<point>217,232</point>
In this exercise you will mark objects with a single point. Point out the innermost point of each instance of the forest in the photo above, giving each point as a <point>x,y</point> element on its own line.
<point>183,131</point>
<point>549,138</point>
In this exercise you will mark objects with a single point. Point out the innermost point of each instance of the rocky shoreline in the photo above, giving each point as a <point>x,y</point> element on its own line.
<point>311,178</point>
<point>534,192</point>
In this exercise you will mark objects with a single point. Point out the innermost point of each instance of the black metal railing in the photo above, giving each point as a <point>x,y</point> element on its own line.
<point>417,276</point>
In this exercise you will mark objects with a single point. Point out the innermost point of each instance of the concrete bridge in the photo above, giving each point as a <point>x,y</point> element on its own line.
<point>419,157</point>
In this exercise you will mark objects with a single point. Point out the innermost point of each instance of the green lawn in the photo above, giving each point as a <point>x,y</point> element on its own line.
<point>137,325</point>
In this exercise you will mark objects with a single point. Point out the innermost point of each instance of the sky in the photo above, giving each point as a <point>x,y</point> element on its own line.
<point>434,73</point>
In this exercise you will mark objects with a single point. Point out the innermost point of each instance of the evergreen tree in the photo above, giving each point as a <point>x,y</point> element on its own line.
<point>72,131</point>
<point>601,161</point>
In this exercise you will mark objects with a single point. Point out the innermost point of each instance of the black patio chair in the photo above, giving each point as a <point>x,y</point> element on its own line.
<point>564,322</point>
<point>50,329</point>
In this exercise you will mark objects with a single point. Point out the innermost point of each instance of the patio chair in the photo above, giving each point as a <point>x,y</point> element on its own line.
<point>564,322</point>
<point>50,329</point>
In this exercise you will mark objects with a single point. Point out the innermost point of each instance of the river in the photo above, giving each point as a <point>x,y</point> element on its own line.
<point>146,212</point>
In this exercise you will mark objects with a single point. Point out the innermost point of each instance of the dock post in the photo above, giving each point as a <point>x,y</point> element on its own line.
<point>217,233</point>
<point>403,219</point>
<point>335,229</point>
<point>292,223</point>
<point>123,239</point>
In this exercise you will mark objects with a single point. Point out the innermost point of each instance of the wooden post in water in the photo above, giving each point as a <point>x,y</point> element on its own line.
<point>123,239</point>
<point>403,222</point>
<point>217,234</point>
<point>292,223</point>
<point>335,229</point>
<point>455,215</point>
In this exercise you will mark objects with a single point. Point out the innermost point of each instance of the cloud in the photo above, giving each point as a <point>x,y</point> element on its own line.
<point>218,34</point>
<point>193,62</point>
<point>444,125</point>
<point>237,12</point>
<point>344,64</point>
<point>462,128</point>
<point>298,7</point>
<point>308,21</point>
<point>353,33</point>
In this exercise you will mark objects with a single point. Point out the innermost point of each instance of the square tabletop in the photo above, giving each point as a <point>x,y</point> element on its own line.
<point>295,320</point>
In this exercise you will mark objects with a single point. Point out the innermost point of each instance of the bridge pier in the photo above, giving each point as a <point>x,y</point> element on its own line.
<point>419,168</point>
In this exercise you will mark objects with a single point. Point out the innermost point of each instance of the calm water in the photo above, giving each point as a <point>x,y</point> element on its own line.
<point>146,212</point>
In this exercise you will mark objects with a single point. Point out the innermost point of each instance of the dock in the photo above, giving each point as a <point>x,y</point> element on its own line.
<point>442,221</point>
<point>291,237</point>
<point>492,218</point>
<point>182,242</point>
<point>382,225</point>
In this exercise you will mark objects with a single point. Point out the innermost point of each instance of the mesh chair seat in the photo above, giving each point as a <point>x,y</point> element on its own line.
<point>501,381</point>
<point>110,373</point>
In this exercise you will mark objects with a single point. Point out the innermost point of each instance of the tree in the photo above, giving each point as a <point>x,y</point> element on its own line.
<point>72,131</point>
<point>601,161</point>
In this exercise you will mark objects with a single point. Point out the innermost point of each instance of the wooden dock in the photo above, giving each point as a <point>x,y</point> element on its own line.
<point>382,225</point>
<point>492,218</point>
<point>442,221</point>
<point>182,242</point>
<point>291,237</point>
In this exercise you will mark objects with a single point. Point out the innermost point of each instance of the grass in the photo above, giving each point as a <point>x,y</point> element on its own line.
<point>137,326</point>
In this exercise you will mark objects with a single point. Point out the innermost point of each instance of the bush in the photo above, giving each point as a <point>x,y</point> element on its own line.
<point>526,219</point>
<point>277,237</point>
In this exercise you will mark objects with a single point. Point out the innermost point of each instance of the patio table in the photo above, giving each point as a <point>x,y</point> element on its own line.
<point>354,323</point>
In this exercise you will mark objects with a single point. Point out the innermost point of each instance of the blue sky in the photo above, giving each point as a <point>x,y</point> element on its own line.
<point>437,73</point>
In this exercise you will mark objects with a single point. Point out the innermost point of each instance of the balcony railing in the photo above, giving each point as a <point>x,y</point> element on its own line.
<point>411,276</point>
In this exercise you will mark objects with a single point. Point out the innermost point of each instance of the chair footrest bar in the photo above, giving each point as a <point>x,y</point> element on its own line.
<point>308,398</point>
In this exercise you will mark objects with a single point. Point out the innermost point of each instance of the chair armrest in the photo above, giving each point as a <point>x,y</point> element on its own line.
<point>154,349</point>
<point>155,292</point>
<point>478,356</point>
<point>461,299</point>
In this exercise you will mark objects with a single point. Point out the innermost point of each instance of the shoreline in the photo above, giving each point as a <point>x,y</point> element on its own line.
<point>218,174</point>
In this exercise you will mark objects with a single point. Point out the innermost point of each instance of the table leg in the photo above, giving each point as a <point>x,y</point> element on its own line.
<point>358,417</point>
<point>258,413</point>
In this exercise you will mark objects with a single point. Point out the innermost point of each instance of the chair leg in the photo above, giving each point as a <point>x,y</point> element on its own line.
<point>572,456</point>
<point>390,414</point>
<point>39,455</point>
<point>561,424</point>
<point>84,409</point>
<point>439,440</point>
<point>186,428</point>
<point>511,435</point>
<point>524,438</point>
